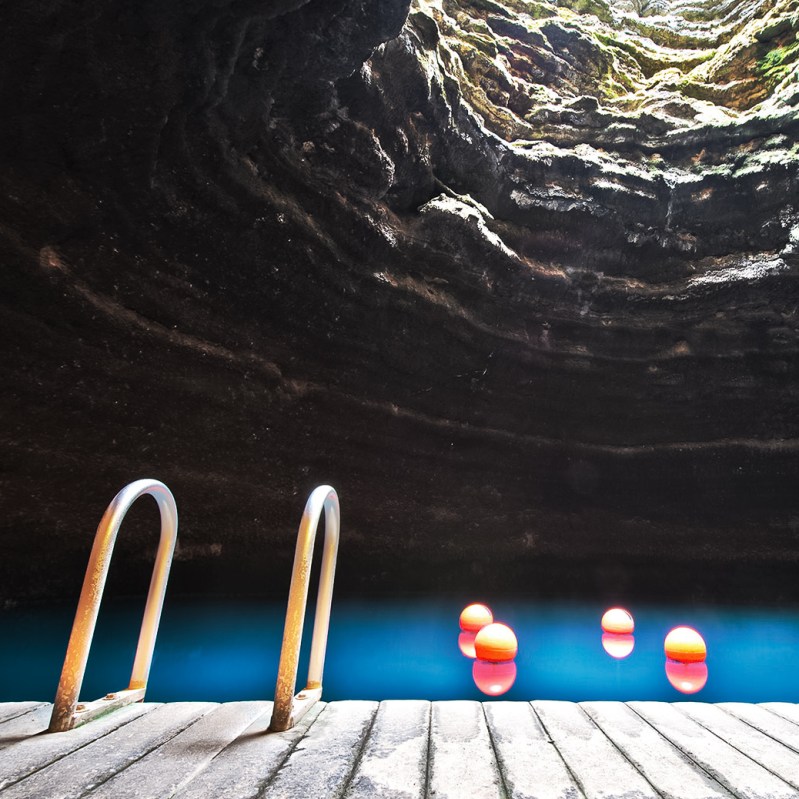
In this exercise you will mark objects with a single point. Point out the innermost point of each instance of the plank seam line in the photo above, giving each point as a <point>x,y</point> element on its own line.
<point>699,768</point>
<point>243,727</point>
<point>359,754</point>
<point>577,781</point>
<point>621,752</point>
<point>143,755</point>
<point>778,715</point>
<point>792,747</point>
<point>259,791</point>
<point>505,792</point>
<point>22,712</point>
<point>10,741</point>
<point>230,743</point>
<point>429,750</point>
<point>718,778</point>
<point>729,743</point>
<point>60,757</point>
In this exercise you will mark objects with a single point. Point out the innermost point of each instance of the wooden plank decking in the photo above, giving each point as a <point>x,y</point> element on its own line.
<point>407,750</point>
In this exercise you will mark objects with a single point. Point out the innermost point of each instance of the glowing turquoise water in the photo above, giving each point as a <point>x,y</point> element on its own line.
<point>404,649</point>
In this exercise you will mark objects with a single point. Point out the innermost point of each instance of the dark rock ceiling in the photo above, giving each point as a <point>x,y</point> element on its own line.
<point>519,279</point>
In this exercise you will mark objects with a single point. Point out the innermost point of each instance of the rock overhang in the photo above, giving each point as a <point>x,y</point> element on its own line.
<point>522,273</point>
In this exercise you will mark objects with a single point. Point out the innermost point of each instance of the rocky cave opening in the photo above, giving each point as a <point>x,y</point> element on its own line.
<point>519,279</point>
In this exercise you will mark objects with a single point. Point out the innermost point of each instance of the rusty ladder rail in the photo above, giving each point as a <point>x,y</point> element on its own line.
<point>67,713</point>
<point>289,709</point>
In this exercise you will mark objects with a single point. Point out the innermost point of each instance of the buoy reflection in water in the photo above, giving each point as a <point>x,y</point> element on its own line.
<point>618,646</point>
<point>466,644</point>
<point>494,679</point>
<point>687,678</point>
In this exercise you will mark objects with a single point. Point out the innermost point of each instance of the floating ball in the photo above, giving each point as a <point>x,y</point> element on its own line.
<point>494,679</point>
<point>685,645</point>
<point>475,617</point>
<point>466,644</point>
<point>687,678</point>
<point>618,620</point>
<point>618,646</point>
<point>496,642</point>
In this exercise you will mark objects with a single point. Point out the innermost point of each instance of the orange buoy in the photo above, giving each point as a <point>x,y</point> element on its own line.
<point>685,645</point>
<point>466,644</point>
<point>618,620</point>
<point>618,646</point>
<point>496,642</point>
<point>687,678</point>
<point>494,679</point>
<point>474,617</point>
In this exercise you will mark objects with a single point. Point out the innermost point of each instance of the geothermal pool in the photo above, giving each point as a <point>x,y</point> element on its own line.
<point>378,649</point>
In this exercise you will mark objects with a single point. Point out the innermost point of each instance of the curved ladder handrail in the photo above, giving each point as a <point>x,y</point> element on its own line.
<point>67,713</point>
<point>289,709</point>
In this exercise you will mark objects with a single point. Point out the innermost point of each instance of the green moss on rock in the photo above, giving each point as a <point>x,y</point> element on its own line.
<point>777,63</point>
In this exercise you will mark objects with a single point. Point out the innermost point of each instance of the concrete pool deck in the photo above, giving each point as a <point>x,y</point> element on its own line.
<point>406,748</point>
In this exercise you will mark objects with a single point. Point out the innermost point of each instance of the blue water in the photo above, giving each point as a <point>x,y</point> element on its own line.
<point>379,649</point>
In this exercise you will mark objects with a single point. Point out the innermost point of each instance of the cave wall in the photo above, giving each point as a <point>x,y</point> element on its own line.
<point>519,279</point>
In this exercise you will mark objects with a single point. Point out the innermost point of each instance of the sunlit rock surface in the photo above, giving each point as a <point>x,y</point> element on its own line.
<point>518,279</point>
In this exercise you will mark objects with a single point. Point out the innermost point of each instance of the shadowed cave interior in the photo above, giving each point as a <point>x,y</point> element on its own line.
<point>519,279</point>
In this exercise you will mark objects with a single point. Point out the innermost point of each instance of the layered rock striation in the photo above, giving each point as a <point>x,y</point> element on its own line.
<point>519,279</point>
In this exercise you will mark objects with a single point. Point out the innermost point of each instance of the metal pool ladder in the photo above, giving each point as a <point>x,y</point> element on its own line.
<point>67,713</point>
<point>289,709</point>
